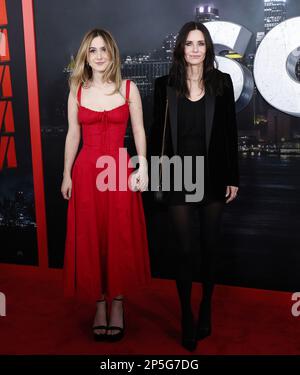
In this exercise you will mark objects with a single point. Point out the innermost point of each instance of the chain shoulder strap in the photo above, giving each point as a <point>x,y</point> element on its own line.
<point>163,140</point>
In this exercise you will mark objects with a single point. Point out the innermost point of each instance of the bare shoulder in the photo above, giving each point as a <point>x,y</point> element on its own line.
<point>132,84</point>
<point>134,93</point>
<point>73,92</point>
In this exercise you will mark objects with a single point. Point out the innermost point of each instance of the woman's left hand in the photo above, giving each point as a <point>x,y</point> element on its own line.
<point>231,193</point>
<point>140,179</point>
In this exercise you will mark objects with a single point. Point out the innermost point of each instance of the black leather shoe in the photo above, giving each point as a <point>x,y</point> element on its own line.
<point>188,338</point>
<point>203,332</point>
<point>204,322</point>
<point>189,344</point>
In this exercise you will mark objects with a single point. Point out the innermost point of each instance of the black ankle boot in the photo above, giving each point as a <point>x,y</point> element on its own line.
<point>188,337</point>
<point>204,321</point>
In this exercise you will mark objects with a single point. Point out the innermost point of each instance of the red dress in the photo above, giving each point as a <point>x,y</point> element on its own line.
<point>106,248</point>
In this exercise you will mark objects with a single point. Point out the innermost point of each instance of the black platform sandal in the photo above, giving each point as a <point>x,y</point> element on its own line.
<point>101,336</point>
<point>117,336</point>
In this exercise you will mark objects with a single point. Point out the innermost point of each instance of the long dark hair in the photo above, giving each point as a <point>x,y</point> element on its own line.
<point>177,76</point>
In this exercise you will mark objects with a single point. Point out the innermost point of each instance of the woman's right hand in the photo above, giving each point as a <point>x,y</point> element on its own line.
<point>66,187</point>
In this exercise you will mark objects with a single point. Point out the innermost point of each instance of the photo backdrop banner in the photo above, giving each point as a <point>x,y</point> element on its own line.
<point>258,44</point>
<point>18,228</point>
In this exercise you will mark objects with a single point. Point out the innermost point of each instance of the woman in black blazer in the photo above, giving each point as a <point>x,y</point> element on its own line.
<point>201,121</point>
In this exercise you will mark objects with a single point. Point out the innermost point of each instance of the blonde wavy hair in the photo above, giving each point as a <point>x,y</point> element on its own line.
<point>82,72</point>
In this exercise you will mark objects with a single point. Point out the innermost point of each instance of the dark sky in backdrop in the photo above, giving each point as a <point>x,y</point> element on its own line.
<point>139,25</point>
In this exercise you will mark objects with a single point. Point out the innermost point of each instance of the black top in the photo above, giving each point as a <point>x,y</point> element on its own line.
<point>191,127</point>
<point>191,140</point>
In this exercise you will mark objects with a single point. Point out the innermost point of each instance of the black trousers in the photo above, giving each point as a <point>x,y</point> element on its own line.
<point>182,219</point>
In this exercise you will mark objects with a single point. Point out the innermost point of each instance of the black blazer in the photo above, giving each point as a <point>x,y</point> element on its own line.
<point>220,129</point>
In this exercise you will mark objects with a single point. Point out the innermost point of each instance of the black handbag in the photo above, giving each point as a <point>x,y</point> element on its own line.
<point>160,195</point>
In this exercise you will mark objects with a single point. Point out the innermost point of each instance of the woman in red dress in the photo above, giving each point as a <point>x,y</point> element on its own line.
<point>106,252</point>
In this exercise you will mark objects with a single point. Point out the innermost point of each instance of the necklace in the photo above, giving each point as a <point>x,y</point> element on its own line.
<point>199,79</point>
<point>195,80</point>
<point>201,86</point>
<point>197,95</point>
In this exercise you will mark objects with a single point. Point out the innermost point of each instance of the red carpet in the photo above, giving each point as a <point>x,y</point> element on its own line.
<point>40,321</point>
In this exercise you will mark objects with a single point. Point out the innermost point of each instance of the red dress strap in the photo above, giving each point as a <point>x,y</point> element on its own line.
<point>79,94</point>
<point>127,89</point>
